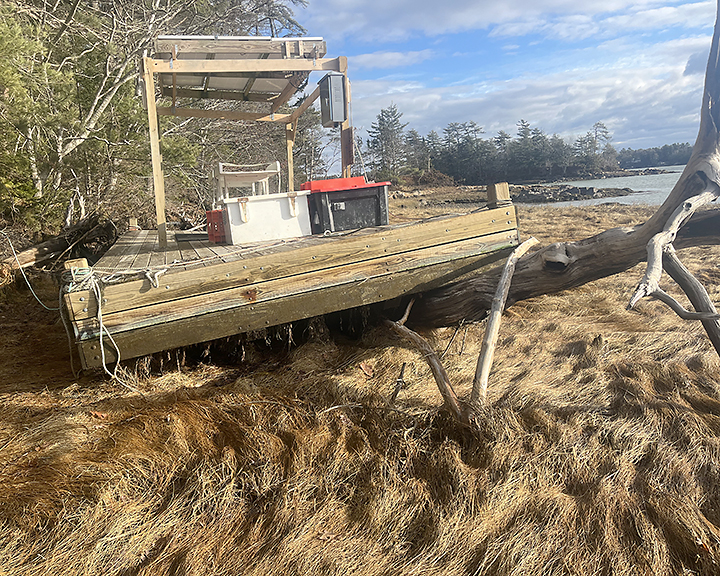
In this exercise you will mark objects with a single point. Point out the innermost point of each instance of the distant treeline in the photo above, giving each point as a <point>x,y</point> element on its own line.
<point>397,154</point>
<point>668,155</point>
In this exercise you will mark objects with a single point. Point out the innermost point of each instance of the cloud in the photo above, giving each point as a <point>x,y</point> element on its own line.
<point>634,66</point>
<point>685,16</point>
<point>380,20</point>
<point>696,63</point>
<point>588,24</point>
<point>642,107</point>
<point>389,59</point>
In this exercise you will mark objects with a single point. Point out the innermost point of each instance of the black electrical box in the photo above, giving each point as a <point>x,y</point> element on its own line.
<point>332,100</point>
<point>337,210</point>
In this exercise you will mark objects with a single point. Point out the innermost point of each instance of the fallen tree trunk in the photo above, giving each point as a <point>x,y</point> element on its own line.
<point>86,231</point>
<point>553,269</point>
<point>569,264</point>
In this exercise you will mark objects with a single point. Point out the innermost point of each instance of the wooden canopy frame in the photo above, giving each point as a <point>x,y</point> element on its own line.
<point>234,68</point>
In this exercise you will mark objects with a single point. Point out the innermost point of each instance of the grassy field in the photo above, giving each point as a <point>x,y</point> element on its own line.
<point>598,454</point>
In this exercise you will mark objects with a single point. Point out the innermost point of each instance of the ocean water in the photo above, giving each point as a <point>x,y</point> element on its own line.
<point>651,189</point>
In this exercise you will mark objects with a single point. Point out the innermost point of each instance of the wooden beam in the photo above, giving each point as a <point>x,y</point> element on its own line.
<point>347,148</point>
<point>158,178</point>
<point>174,80</point>
<point>305,105</point>
<point>498,194</point>
<point>240,66</point>
<point>222,114</point>
<point>347,136</point>
<point>288,91</point>
<point>290,142</point>
<point>246,47</point>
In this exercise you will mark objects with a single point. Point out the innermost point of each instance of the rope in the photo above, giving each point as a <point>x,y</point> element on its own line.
<point>97,291</point>
<point>27,281</point>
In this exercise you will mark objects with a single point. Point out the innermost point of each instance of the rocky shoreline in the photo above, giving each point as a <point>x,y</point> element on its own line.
<point>539,192</point>
<point>543,193</point>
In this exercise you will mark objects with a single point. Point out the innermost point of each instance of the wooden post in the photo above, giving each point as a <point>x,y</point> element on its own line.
<point>346,133</point>
<point>76,263</point>
<point>158,179</point>
<point>290,140</point>
<point>498,194</point>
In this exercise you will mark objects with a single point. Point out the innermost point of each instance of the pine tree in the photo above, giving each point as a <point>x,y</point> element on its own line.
<point>386,144</point>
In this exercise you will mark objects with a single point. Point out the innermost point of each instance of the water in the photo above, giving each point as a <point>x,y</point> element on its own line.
<point>650,189</point>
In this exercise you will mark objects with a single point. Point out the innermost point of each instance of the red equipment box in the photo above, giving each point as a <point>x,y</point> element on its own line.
<point>215,226</point>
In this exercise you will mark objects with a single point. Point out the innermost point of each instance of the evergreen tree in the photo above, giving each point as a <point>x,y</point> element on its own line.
<point>417,153</point>
<point>520,152</point>
<point>434,147</point>
<point>386,144</point>
<point>561,154</point>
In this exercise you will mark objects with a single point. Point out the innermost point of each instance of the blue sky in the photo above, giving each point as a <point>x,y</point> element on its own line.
<point>562,65</point>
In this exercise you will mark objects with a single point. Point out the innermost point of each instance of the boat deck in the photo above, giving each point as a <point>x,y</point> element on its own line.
<point>140,298</point>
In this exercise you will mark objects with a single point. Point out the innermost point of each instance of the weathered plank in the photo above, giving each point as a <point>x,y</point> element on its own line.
<point>322,254</point>
<point>127,242</point>
<point>193,320</point>
<point>307,47</point>
<point>147,249</point>
<point>315,280</point>
<point>244,66</point>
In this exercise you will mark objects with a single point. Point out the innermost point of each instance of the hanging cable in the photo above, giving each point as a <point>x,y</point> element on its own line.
<point>355,146</point>
<point>27,281</point>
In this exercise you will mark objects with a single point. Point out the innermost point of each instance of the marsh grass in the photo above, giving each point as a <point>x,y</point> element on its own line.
<point>598,453</point>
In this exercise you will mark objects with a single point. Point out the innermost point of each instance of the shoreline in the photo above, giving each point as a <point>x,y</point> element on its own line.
<point>600,175</point>
<point>544,193</point>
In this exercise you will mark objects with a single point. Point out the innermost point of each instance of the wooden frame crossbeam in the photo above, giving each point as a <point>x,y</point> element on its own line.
<point>181,66</point>
<point>286,48</point>
<point>293,86</point>
<point>222,114</point>
<point>300,110</point>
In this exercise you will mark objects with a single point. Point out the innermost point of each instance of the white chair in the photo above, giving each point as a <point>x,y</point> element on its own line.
<point>229,176</point>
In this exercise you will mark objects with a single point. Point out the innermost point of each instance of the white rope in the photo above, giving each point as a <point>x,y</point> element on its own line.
<point>97,291</point>
<point>153,277</point>
<point>27,281</point>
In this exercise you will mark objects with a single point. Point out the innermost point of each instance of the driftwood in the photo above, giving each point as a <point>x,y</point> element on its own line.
<point>569,264</point>
<point>551,270</point>
<point>487,351</point>
<point>439,373</point>
<point>86,230</point>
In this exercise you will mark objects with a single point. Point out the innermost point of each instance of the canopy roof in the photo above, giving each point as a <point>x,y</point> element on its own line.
<point>253,86</point>
<point>241,68</point>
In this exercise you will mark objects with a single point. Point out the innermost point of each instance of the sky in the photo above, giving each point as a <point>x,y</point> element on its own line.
<point>561,65</point>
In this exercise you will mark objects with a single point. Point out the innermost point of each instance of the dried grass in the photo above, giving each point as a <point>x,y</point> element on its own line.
<point>599,453</point>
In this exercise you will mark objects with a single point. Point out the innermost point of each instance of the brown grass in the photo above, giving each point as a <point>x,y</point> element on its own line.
<point>599,453</point>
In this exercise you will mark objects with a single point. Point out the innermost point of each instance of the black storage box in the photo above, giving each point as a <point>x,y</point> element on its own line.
<point>349,208</point>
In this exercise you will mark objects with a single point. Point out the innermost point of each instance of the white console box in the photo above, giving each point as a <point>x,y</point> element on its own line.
<point>266,217</point>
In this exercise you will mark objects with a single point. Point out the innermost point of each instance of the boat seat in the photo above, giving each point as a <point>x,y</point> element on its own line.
<point>255,176</point>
